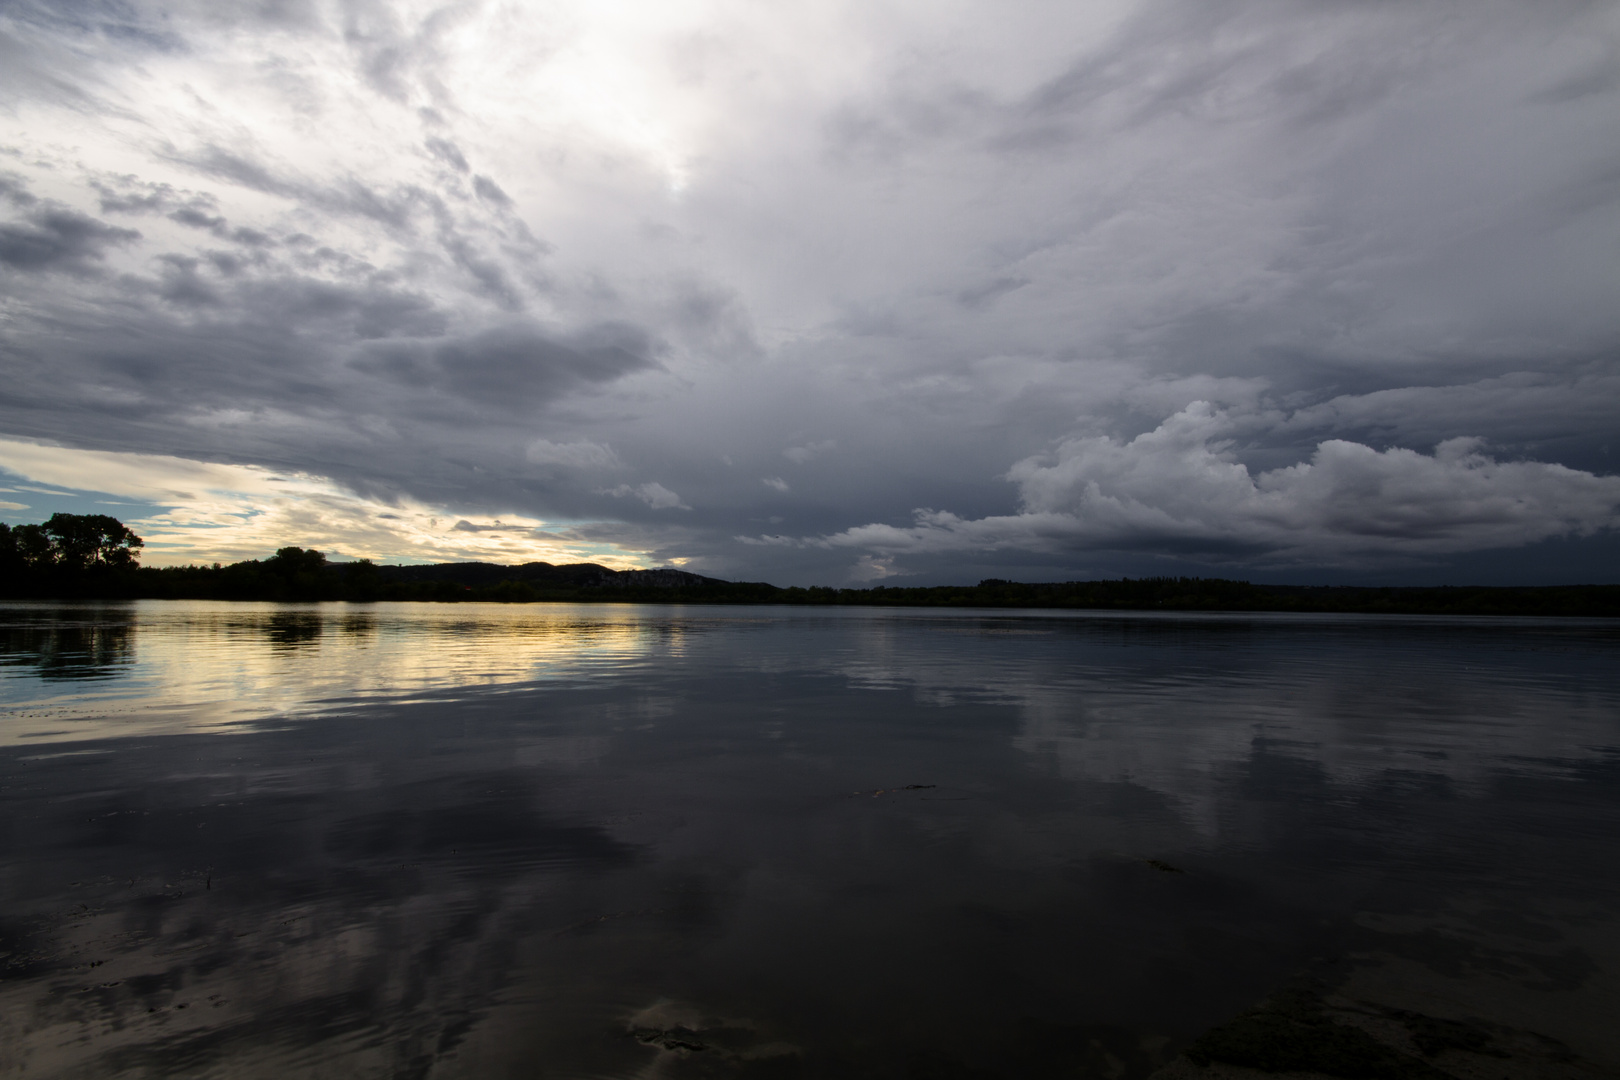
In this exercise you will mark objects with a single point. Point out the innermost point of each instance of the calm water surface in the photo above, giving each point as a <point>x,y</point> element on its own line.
<point>242,840</point>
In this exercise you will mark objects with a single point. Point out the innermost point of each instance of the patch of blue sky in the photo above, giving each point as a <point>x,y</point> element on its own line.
<point>23,502</point>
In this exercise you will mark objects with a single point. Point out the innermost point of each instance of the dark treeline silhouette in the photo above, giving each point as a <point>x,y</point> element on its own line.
<point>299,574</point>
<point>1218,594</point>
<point>74,556</point>
<point>69,555</point>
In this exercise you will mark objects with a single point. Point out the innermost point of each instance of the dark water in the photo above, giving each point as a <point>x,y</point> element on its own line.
<point>560,841</point>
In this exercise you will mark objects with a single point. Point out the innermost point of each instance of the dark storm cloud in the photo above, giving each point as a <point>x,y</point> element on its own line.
<point>198,219</point>
<point>182,284</point>
<point>367,310</point>
<point>50,237</point>
<point>126,195</point>
<point>240,350</point>
<point>223,358</point>
<point>491,278</point>
<point>397,207</point>
<point>194,209</point>
<point>490,191</point>
<point>512,368</point>
<point>15,191</point>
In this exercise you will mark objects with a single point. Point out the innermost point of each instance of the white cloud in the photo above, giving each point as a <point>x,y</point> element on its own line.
<point>874,568</point>
<point>4,505</point>
<point>775,483</point>
<point>1180,489</point>
<point>654,494</point>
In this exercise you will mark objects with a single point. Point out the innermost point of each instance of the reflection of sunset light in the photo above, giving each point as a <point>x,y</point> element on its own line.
<point>194,666</point>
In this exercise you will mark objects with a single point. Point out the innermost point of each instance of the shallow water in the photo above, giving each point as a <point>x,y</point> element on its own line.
<point>612,841</point>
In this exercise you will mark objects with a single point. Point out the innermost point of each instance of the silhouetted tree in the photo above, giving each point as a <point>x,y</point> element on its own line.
<point>293,561</point>
<point>69,543</point>
<point>68,555</point>
<point>78,542</point>
<point>361,580</point>
<point>294,573</point>
<point>33,547</point>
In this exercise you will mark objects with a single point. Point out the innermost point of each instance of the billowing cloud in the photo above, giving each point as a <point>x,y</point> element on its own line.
<point>652,493</point>
<point>1180,489</point>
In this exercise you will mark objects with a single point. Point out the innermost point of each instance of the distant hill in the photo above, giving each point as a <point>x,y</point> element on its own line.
<point>297,574</point>
<point>93,557</point>
<point>543,575</point>
<point>1218,594</point>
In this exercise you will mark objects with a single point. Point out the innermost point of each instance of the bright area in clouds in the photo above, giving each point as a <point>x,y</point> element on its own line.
<point>215,512</point>
<point>821,293</point>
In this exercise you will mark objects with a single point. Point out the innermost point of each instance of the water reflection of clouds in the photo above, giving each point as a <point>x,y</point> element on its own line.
<point>452,882</point>
<point>1466,700</point>
<point>324,895</point>
<point>1361,700</point>
<point>187,666</point>
<point>1467,732</point>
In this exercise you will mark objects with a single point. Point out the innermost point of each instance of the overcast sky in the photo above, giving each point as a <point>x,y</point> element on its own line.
<point>832,293</point>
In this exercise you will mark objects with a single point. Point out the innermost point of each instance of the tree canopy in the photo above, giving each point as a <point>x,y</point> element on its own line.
<point>71,542</point>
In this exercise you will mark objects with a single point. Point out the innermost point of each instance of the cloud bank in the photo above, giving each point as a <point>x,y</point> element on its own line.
<point>1179,489</point>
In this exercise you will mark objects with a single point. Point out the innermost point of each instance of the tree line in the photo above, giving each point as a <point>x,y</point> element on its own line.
<point>93,556</point>
<point>68,549</point>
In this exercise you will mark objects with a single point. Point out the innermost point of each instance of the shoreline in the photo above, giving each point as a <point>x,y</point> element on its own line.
<point>1168,595</point>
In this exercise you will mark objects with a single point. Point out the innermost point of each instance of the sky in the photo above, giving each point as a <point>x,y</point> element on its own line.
<point>835,293</point>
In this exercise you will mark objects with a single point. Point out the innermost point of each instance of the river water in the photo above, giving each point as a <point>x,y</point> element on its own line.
<point>416,840</point>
